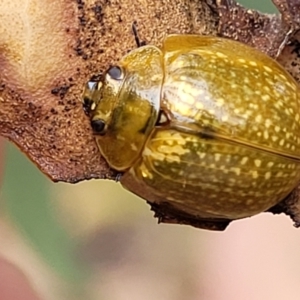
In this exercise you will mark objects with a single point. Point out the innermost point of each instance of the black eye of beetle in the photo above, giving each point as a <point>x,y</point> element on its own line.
<point>115,73</point>
<point>99,126</point>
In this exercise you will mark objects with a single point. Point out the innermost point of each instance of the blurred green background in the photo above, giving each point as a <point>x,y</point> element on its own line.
<point>94,240</point>
<point>265,6</point>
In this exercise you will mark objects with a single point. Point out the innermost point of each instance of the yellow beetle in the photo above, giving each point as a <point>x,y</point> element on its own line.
<point>207,124</point>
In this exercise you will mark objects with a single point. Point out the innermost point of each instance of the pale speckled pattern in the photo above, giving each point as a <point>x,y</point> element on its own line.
<point>231,148</point>
<point>242,96</point>
<point>234,92</point>
<point>223,179</point>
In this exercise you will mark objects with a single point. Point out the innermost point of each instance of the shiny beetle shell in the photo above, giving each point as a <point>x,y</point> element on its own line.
<point>206,124</point>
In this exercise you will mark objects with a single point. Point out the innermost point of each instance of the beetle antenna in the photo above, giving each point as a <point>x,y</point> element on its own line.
<point>135,33</point>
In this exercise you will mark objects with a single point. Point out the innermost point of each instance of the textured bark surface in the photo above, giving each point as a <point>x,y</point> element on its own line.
<point>50,48</point>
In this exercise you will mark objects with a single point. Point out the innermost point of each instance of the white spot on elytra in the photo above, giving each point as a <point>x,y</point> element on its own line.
<point>268,175</point>
<point>257,162</point>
